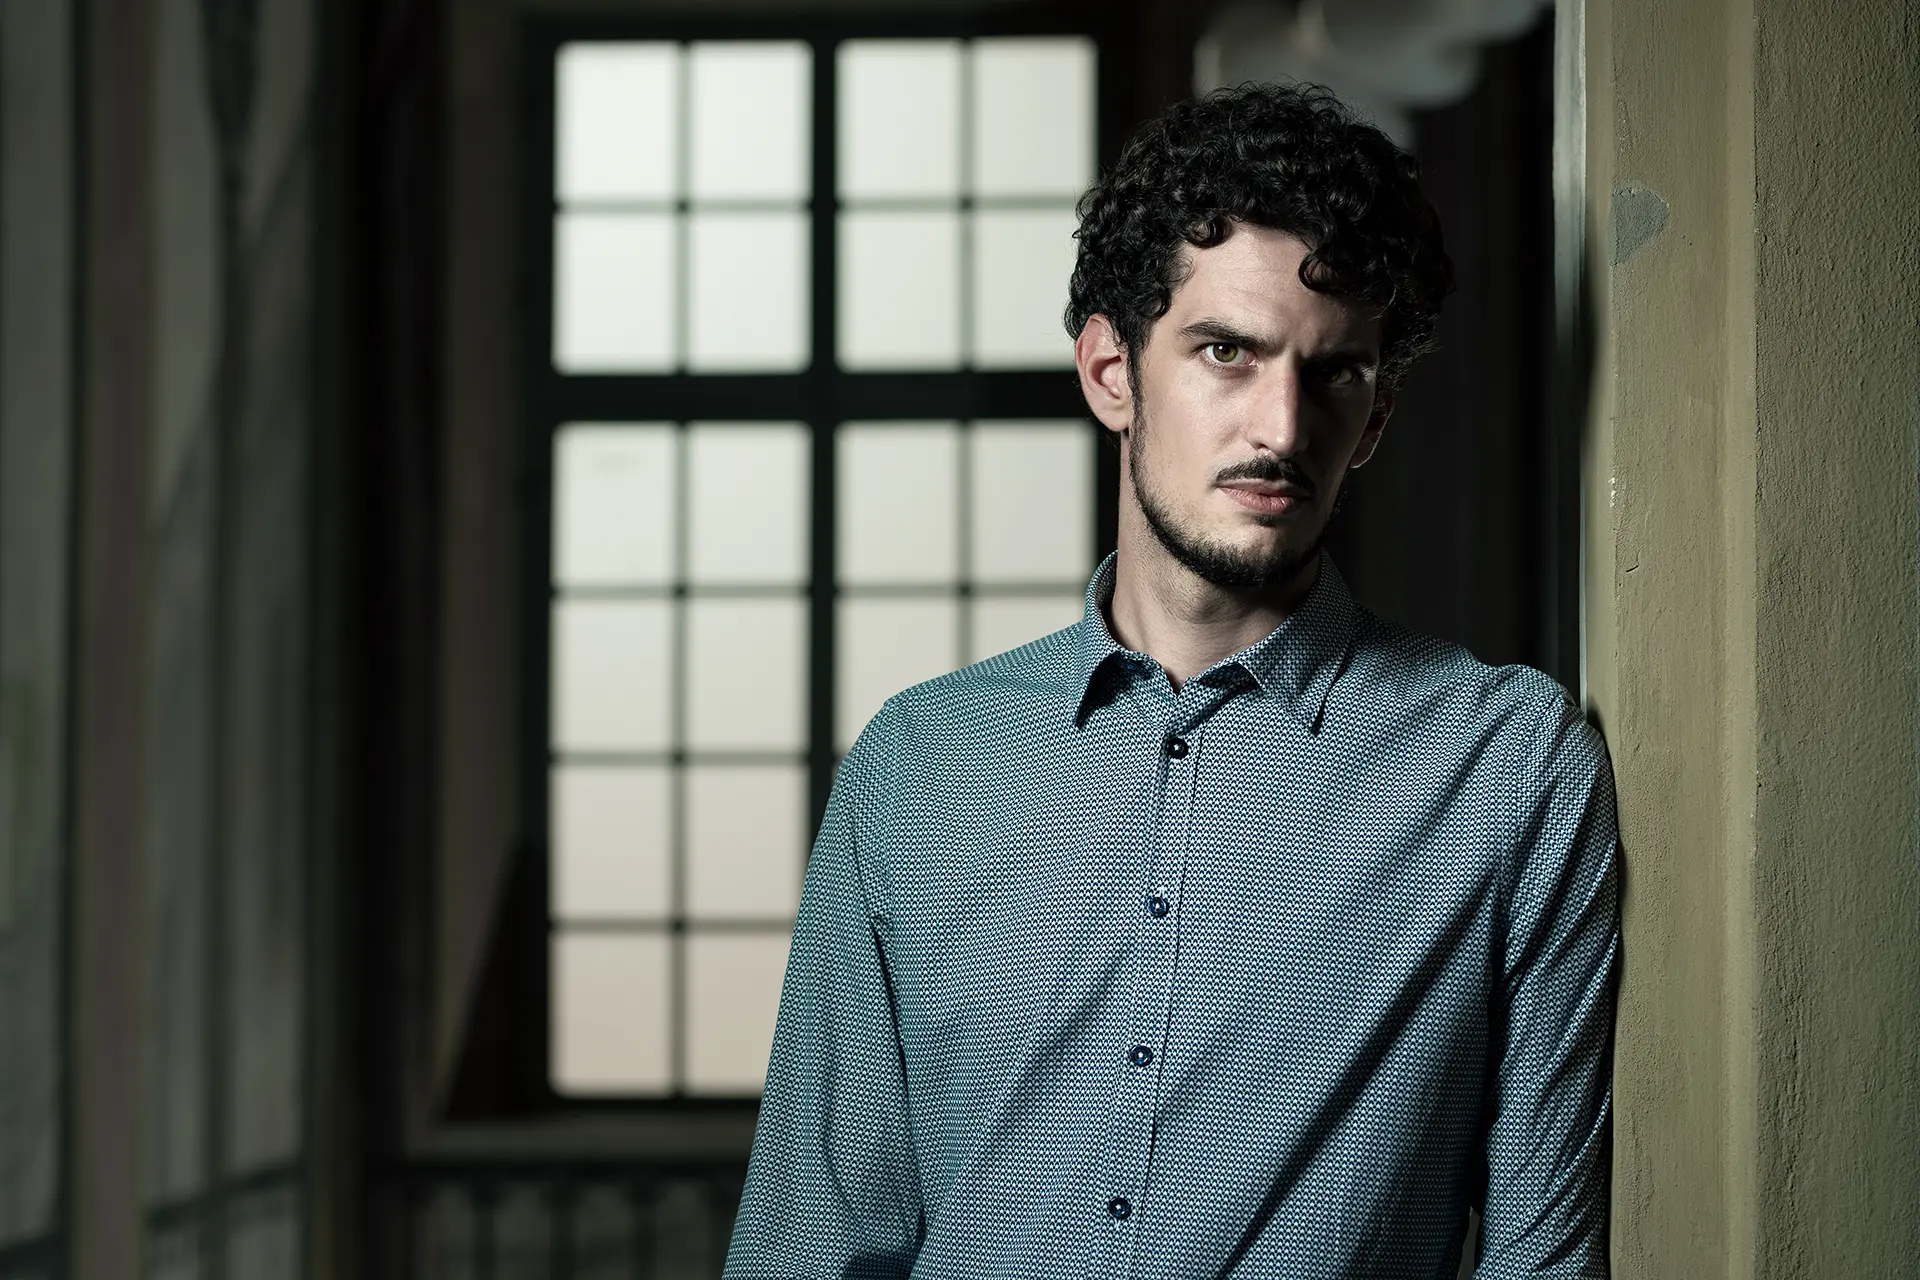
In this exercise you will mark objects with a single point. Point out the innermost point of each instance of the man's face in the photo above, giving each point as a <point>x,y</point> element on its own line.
<point>1256,395</point>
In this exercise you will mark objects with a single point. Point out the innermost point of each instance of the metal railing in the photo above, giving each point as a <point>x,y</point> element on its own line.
<point>542,1222</point>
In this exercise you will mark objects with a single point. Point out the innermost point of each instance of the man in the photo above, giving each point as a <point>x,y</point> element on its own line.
<point>1232,931</point>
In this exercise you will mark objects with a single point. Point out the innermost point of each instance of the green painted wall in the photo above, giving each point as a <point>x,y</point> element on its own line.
<point>1837,810</point>
<point>1753,606</point>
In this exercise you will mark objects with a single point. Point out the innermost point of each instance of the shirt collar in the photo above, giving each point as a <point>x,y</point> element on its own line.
<point>1296,662</point>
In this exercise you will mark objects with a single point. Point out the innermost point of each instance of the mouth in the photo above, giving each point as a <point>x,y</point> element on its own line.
<point>1266,499</point>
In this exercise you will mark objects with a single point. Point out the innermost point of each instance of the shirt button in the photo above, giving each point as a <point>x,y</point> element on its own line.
<point>1140,1056</point>
<point>1119,1207</point>
<point>1177,748</point>
<point>1157,906</point>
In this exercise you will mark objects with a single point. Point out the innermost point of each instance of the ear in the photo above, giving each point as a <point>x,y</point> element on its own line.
<point>1102,362</point>
<point>1370,434</point>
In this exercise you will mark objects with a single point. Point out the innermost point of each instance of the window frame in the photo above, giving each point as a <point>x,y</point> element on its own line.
<point>822,397</point>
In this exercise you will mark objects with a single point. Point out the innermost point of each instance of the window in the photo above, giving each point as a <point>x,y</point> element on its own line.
<point>808,428</point>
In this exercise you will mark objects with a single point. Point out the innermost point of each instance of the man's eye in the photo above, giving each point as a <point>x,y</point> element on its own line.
<point>1224,353</point>
<point>1343,375</point>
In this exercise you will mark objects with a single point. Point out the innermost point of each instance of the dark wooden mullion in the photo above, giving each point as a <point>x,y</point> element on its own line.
<point>963,481</point>
<point>536,571</point>
<point>677,739</point>
<point>818,392</point>
<point>1044,393</point>
<point>677,759</point>
<point>678,926</point>
<point>682,557</point>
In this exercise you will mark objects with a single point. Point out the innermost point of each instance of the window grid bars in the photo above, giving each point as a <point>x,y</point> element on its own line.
<point>821,417</point>
<point>677,922</point>
<point>677,730</point>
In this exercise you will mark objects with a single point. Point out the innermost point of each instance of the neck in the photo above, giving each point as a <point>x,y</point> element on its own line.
<point>1163,609</point>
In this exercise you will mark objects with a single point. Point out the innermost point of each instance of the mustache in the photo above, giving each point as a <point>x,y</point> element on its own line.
<point>1268,469</point>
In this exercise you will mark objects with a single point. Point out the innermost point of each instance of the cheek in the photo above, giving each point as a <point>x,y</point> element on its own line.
<point>1338,432</point>
<point>1175,452</point>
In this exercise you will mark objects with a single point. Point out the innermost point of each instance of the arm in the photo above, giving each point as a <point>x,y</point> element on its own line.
<point>1548,1140</point>
<point>832,1189</point>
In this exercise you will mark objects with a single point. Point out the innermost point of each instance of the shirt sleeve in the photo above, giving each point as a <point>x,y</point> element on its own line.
<point>1549,1134</point>
<point>832,1189</point>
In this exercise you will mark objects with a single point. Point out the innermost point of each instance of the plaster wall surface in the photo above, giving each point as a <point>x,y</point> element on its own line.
<point>1753,445</point>
<point>1836,873</point>
<point>1663,577</point>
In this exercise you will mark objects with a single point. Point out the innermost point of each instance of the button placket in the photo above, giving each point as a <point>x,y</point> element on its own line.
<point>1138,1091</point>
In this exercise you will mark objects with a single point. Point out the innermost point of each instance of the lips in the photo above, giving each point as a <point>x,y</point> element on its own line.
<point>1266,498</point>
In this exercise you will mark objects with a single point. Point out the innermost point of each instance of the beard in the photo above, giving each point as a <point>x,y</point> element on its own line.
<point>1223,566</point>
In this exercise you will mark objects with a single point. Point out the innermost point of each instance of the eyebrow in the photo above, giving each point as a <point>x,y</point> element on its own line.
<point>1211,329</point>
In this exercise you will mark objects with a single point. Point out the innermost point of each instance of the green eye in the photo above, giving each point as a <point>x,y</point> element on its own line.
<point>1224,353</point>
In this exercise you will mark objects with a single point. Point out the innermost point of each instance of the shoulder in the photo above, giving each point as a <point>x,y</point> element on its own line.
<point>1411,671</point>
<point>1018,691</point>
<point>1426,691</point>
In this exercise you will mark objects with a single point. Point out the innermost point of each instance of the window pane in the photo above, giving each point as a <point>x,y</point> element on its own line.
<point>899,280</point>
<point>897,495</point>
<point>616,121</point>
<point>610,1030</point>
<point>613,292</point>
<point>746,673</point>
<point>610,675</point>
<point>745,840</point>
<point>613,504</point>
<point>887,646</point>
<point>733,996</point>
<point>608,858</point>
<point>899,127</point>
<point>1009,622</point>
<point>747,292</point>
<point>752,111</point>
<point>1032,490</point>
<point>1033,116</point>
<point>1021,263</point>
<point>749,497</point>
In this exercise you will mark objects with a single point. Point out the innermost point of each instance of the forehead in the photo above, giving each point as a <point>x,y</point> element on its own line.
<point>1251,280</point>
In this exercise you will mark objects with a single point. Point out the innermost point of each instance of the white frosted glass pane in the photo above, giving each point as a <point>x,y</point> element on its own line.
<point>608,858</point>
<point>612,292</point>
<point>1032,490</point>
<point>899,127</point>
<point>747,292</point>
<point>1033,116</point>
<point>610,675</point>
<point>746,673</point>
<point>749,498</point>
<point>733,997</point>
<point>899,280</point>
<point>613,504</point>
<point>886,646</point>
<point>1007,623</point>
<point>609,1009</point>
<point>616,121</point>
<point>1021,263</point>
<point>897,492</point>
<point>745,841</point>
<point>752,112</point>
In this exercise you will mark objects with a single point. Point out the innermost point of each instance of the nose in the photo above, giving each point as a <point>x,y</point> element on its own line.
<point>1277,419</point>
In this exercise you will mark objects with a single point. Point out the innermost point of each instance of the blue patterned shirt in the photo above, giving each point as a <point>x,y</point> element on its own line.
<point>1270,977</point>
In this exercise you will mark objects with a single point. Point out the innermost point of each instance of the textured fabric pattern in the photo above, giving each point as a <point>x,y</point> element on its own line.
<point>1269,978</point>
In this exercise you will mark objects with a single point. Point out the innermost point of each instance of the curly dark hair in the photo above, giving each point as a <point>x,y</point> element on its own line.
<point>1288,157</point>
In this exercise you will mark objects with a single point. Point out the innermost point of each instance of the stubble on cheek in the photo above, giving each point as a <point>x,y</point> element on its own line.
<point>1209,559</point>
